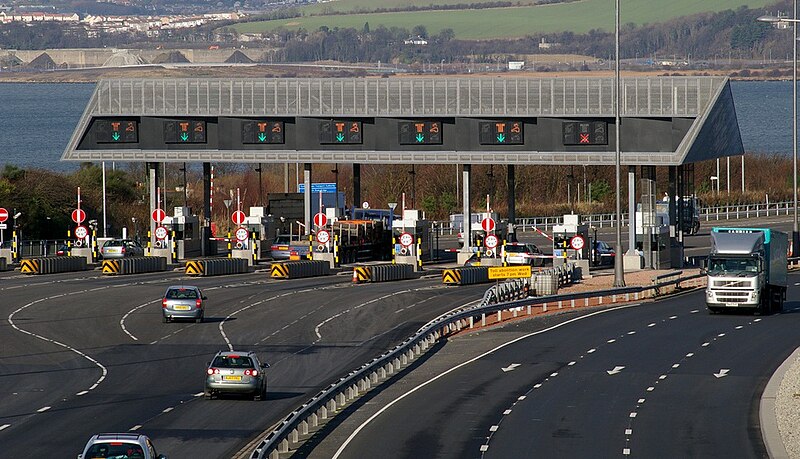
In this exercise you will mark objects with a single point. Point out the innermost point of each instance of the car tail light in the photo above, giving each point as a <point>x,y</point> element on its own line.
<point>198,303</point>
<point>251,372</point>
<point>164,303</point>
<point>212,371</point>
<point>123,250</point>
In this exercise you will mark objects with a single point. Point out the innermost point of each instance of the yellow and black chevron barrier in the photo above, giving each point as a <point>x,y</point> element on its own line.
<point>279,270</point>
<point>466,276</point>
<point>29,266</point>
<point>110,266</point>
<point>362,274</point>
<point>194,268</point>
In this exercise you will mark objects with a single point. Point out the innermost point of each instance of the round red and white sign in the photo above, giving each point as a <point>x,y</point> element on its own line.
<point>491,241</point>
<point>320,219</point>
<point>158,215</point>
<point>81,232</point>
<point>242,234</point>
<point>161,232</point>
<point>577,242</point>
<point>323,236</point>
<point>78,215</point>
<point>238,217</point>
<point>487,224</point>
<point>406,239</point>
<point>3,214</point>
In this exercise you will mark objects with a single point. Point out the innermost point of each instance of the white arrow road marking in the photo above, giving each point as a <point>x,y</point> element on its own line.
<point>615,370</point>
<point>510,367</point>
<point>722,373</point>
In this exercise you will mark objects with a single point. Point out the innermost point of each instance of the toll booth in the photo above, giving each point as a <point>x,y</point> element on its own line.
<point>653,238</point>
<point>408,234</point>
<point>184,234</point>
<point>261,227</point>
<point>571,241</point>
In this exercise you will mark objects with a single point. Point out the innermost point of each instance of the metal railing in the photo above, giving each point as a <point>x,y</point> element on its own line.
<point>326,403</point>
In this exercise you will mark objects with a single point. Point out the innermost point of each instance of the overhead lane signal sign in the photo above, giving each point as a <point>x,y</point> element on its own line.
<point>340,132</point>
<point>116,131</point>
<point>585,132</point>
<point>185,131</point>
<point>262,131</point>
<point>501,133</point>
<point>420,132</point>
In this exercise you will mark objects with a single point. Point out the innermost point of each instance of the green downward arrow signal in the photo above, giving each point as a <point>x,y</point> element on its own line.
<point>420,138</point>
<point>115,136</point>
<point>262,137</point>
<point>501,138</point>
<point>184,136</point>
<point>340,137</point>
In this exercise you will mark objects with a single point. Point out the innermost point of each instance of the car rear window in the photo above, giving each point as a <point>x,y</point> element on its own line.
<point>516,248</point>
<point>281,240</point>
<point>232,361</point>
<point>181,294</point>
<point>113,244</point>
<point>116,450</point>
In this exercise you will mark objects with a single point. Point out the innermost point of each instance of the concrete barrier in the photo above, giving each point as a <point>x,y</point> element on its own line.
<point>50,265</point>
<point>216,266</point>
<point>134,265</point>
<point>3,264</point>
<point>299,269</point>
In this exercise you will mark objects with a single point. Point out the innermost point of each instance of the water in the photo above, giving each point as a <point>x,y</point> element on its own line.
<point>37,120</point>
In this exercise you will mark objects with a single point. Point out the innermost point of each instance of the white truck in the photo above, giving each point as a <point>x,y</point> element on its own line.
<point>747,270</point>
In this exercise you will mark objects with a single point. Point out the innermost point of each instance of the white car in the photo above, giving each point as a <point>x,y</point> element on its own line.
<point>517,253</point>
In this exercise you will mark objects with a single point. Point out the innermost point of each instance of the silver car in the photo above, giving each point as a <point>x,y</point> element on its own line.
<point>127,445</point>
<point>236,372</point>
<point>120,248</point>
<point>183,302</point>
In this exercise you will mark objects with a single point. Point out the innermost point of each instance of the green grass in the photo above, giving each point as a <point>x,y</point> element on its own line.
<point>578,17</point>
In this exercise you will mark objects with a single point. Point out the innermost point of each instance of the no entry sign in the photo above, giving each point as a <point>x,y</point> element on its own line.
<point>78,215</point>
<point>238,217</point>
<point>320,219</point>
<point>487,224</point>
<point>158,215</point>
<point>3,215</point>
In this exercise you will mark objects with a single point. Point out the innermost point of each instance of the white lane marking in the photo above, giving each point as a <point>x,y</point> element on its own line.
<point>5,426</point>
<point>676,365</point>
<point>631,332</point>
<point>167,410</point>
<point>628,431</point>
<point>348,310</point>
<point>691,354</point>
<point>537,386</point>
<point>122,321</point>
<point>705,344</point>
<point>611,341</point>
<point>757,320</point>
<point>553,375</point>
<point>10,320</point>
<point>83,392</point>
<point>651,389</point>
<point>740,327</point>
<point>199,394</point>
<point>626,451</point>
<point>222,322</point>
<point>591,351</point>
<point>511,367</point>
<point>662,377</point>
<point>571,363</point>
<point>43,409</point>
<point>641,400</point>
<point>484,448</point>
<point>694,311</point>
<point>722,373</point>
<point>385,407</point>
<point>507,412</point>
<point>721,335</point>
<point>136,427</point>
<point>521,398</point>
<point>615,371</point>
<point>673,317</point>
<point>633,415</point>
<point>651,325</point>
<point>493,428</point>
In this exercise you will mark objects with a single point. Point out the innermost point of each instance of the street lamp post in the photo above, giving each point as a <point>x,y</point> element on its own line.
<point>619,273</point>
<point>777,20</point>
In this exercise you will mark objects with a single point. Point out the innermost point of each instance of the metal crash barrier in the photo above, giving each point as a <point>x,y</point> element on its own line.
<point>135,265</point>
<point>384,272</point>
<point>466,276</point>
<point>50,265</point>
<point>217,266</point>
<point>300,268</point>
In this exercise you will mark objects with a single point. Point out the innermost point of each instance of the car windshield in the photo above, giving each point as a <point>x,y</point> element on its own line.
<point>232,361</point>
<point>115,450</point>
<point>181,294</point>
<point>743,266</point>
<point>516,249</point>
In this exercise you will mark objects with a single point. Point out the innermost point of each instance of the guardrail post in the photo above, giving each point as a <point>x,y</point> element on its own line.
<point>323,411</point>
<point>294,436</point>
<point>499,316</point>
<point>471,322</point>
<point>382,372</point>
<point>304,428</point>
<point>341,399</point>
<point>374,377</point>
<point>483,319</point>
<point>314,420</point>
<point>284,446</point>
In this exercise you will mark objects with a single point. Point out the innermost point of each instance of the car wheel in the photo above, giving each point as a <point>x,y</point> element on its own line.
<point>199,319</point>
<point>261,394</point>
<point>207,394</point>
<point>165,319</point>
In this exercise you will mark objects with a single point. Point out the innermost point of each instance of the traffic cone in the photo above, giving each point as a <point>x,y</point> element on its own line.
<point>355,276</point>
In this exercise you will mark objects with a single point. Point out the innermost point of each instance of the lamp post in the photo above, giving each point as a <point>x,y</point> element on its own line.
<point>795,242</point>
<point>619,273</point>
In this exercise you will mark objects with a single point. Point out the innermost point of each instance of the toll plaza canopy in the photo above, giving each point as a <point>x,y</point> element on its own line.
<point>666,121</point>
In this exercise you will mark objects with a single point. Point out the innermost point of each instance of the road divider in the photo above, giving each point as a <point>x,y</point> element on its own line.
<point>50,265</point>
<point>134,265</point>
<point>466,276</point>
<point>383,272</point>
<point>296,269</point>
<point>217,266</point>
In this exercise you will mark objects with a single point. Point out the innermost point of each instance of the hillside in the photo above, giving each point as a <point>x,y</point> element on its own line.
<point>578,17</point>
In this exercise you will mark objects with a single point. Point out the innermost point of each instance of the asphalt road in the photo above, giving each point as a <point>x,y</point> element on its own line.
<point>662,379</point>
<point>84,353</point>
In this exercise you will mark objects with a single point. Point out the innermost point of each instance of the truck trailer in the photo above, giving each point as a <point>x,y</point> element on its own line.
<point>747,270</point>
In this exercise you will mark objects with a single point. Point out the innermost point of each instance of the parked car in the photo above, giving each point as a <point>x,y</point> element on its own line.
<point>62,250</point>
<point>236,372</point>
<point>183,302</point>
<point>120,248</point>
<point>518,253</point>
<point>603,254</point>
<point>120,445</point>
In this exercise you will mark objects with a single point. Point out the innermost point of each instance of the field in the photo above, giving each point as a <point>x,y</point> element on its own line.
<point>578,17</point>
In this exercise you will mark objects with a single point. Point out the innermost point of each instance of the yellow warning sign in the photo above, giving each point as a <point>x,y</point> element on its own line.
<point>194,268</point>
<point>509,272</point>
<point>451,276</point>
<point>279,270</point>
<point>110,266</point>
<point>29,266</point>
